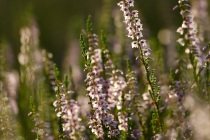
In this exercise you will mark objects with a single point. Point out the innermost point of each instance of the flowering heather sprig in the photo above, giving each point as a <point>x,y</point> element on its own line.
<point>30,60</point>
<point>7,124</point>
<point>180,121</point>
<point>188,29</point>
<point>116,98</point>
<point>50,69</point>
<point>200,12</point>
<point>113,76</point>
<point>123,121</point>
<point>188,32</point>
<point>132,86</point>
<point>115,91</point>
<point>105,85</point>
<point>134,28</point>
<point>67,112</point>
<point>40,127</point>
<point>198,60</point>
<point>67,109</point>
<point>10,80</point>
<point>30,55</point>
<point>134,103</point>
<point>8,105</point>
<point>97,86</point>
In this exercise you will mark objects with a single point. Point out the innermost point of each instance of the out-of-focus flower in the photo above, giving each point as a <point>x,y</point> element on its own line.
<point>123,121</point>
<point>188,30</point>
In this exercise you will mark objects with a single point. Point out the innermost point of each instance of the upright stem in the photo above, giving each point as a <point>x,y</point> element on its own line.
<point>142,59</point>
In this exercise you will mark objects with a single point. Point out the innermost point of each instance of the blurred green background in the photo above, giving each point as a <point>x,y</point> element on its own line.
<point>60,20</point>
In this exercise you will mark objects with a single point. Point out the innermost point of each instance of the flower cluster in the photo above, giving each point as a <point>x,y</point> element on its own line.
<point>41,128</point>
<point>117,85</point>
<point>188,30</point>
<point>6,116</point>
<point>134,26</point>
<point>30,56</point>
<point>68,110</point>
<point>97,87</point>
<point>123,121</point>
<point>200,12</point>
<point>115,96</point>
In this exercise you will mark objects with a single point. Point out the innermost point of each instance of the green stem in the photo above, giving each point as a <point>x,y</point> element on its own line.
<point>143,60</point>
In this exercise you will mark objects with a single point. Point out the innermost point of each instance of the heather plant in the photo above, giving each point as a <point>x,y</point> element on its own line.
<point>134,28</point>
<point>7,116</point>
<point>122,94</point>
<point>30,76</point>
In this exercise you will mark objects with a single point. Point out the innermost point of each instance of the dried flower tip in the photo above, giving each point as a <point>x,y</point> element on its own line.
<point>175,7</point>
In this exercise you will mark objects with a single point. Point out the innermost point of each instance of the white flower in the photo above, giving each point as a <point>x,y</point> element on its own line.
<point>180,30</point>
<point>139,27</point>
<point>123,120</point>
<point>146,96</point>
<point>130,29</point>
<point>127,97</point>
<point>130,2</point>
<point>127,17</point>
<point>185,24</point>
<point>55,103</point>
<point>134,44</point>
<point>146,52</point>
<point>135,13</point>
<point>187,51</point>
<point>139,35</point>
<point>126,11</point>
<point>143,43</point>
<point>137,21</point>
<point>131,36</point>
<point>121,4</point>
<point>181,41</point>
<point>59,114</point>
